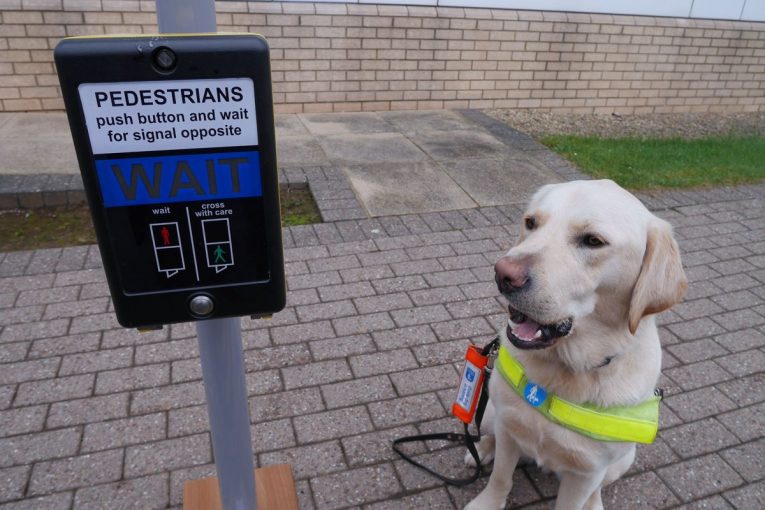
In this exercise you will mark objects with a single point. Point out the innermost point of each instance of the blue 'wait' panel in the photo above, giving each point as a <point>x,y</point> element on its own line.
<point>163,179</point>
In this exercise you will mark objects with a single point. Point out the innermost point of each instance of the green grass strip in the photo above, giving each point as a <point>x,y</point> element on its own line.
<point>666,163</point>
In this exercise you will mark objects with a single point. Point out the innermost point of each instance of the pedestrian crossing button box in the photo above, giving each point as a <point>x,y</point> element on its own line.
<point>175,140</point>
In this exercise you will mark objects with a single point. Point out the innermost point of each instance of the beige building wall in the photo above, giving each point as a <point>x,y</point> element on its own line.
<point>359,57</point>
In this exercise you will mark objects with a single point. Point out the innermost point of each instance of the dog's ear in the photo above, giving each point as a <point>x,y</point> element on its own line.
<point>661,282</point>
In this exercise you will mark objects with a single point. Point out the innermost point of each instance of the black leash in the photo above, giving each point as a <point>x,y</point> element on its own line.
<point>469,439</point>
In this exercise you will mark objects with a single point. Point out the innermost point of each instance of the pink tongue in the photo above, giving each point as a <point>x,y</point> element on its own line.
<point>526,330</point>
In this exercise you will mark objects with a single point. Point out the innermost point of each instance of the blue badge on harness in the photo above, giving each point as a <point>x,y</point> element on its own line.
<point>534,394</point>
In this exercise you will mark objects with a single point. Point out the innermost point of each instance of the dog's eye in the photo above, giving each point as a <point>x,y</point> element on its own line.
<point>593,241</point>
<point>530,223</point>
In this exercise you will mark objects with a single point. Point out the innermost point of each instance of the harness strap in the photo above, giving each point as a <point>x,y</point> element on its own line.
<point>637,423</point>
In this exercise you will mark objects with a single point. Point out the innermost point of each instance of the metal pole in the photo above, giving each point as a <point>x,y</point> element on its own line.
<point>220,349</point>
<point>186,16</point>
<point>220,340</point>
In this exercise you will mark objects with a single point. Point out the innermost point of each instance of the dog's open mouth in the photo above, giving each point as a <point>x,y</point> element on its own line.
<point>525,333</point>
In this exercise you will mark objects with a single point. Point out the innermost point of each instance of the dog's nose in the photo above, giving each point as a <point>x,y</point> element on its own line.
<point>510,275</point>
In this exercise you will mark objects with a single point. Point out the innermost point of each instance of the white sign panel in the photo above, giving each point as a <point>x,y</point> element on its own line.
<point>152,116</point>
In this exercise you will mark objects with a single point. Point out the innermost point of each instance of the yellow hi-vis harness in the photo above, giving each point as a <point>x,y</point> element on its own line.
<point>638,423</point>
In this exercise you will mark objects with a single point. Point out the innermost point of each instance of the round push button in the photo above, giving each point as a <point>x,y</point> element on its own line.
<point>201,305</point>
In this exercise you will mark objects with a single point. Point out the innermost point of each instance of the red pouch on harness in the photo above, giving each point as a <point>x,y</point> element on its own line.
<point>471,384</point>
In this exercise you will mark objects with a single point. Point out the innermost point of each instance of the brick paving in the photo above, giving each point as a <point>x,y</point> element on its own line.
<point>379,312</point>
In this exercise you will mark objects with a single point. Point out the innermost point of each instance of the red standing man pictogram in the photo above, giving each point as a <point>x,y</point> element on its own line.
<point>165,233</point>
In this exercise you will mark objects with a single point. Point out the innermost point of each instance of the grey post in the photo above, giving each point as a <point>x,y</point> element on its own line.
<point>186,16</point>
<point>220,349</point>
<point>220,340</point>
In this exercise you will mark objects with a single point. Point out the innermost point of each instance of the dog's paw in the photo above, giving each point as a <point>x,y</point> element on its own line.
<point>482,502</point>
<point>485,449</point>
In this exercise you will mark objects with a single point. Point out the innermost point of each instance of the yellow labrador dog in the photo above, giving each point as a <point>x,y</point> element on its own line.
<point>591,267</point>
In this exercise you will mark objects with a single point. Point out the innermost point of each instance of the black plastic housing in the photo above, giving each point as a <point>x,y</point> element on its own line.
<point>145,294</point>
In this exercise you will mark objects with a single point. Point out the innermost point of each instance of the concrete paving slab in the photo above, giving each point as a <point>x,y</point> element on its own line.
<point>289,125</point>
<point>35,126</point>
<point>370,149</point>
<point>40,155</point>
<point>36,143</point>
<point>6,117</point>
<point>320,124</point>
<point>394,189</point>
<point>498,181</point>
<point>459,144</point>
<point>328,140</point>
<point>419,121</point>
<point>292,151</point>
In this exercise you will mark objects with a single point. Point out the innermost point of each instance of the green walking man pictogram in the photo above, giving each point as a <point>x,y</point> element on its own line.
<point>219,255</point>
